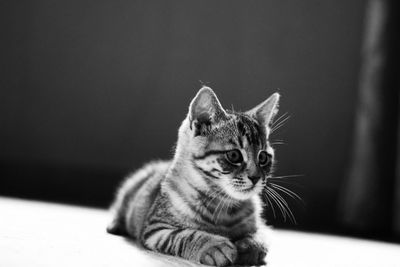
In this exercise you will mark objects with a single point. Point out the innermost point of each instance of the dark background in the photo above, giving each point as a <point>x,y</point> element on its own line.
<point>90,90</point>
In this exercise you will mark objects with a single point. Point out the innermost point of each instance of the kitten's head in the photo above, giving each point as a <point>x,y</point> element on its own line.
<point>230,150</point>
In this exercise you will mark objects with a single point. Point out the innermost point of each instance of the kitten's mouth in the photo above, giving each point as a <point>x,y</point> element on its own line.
<point>246,190</point>
<point>243,192</point>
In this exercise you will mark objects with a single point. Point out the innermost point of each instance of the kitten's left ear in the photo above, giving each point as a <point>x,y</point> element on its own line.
<point>265,112</point>
<point>205,108</point>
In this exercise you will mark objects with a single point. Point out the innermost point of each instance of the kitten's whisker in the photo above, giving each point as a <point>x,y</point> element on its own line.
<point>213,196</point>
<point>276,128</point>
<point>219,212</point>
<point>277,143</point>
<point>279,125</point>
<point>286,176</point>
<point>280,120</point>
<point>277,120</point>
<point>287,191</point>
<point>270,204</point>
<point>286,205</point>
<point>226,202</point>
<point>283,181</point>
<point>284,211</point>
<point>283,201</point>
<point>217,207</point>
<point>216,194</point>
<point>278,204</point>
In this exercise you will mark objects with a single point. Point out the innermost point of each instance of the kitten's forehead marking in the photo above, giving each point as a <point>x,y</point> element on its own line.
<point>247,150</point>
<point>244,155</point>
<point>250,129</point>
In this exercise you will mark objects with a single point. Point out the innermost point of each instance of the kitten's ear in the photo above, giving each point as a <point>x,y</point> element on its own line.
<point>266,111</point>
<point>205,107</point>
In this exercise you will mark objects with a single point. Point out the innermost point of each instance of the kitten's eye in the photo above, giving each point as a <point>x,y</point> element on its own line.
<point>263,158</point>
<point>234,156</point>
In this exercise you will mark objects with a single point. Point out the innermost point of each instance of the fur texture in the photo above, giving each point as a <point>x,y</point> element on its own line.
<point>204,205</point>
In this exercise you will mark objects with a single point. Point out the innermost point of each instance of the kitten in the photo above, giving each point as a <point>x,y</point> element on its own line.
<point>205,204</point>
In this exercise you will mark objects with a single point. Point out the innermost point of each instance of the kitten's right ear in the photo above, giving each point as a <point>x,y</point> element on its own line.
<point>205,108</point>
<point>266,111</point>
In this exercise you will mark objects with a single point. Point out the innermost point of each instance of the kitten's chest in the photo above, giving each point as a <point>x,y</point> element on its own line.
<point>233,231</point>
<point>233,223</point>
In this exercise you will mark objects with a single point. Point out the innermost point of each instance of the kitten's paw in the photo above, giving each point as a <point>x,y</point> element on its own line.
<point>250,252</point>
<point>221,254</point>
<point>116,228</point>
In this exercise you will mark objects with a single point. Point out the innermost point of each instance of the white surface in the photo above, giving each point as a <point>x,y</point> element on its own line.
<point>42,234</point>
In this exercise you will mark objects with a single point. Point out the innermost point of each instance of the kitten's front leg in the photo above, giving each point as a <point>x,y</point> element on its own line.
<point>191,244</point>
<point>250,251</point>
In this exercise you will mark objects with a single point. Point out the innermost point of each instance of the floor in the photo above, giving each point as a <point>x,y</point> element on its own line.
<point>43,234</point>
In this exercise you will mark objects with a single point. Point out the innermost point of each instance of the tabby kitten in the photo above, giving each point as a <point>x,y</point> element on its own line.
<point>205,204</point>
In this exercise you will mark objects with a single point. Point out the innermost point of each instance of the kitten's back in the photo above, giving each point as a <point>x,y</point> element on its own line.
<point>135,197</point>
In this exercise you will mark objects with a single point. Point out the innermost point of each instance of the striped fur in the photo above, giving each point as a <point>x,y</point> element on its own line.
<point>200,205</point>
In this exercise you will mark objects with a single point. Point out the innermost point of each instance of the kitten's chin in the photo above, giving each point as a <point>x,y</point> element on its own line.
<point>242,194</point>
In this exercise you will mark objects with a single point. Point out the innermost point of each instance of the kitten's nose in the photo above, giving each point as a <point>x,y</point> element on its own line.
<point>254,179</point>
